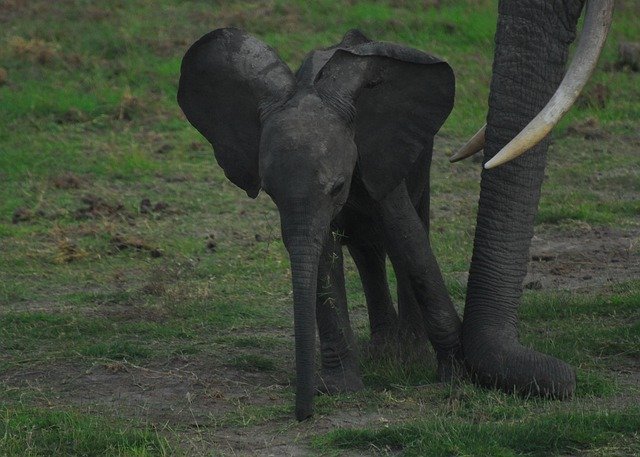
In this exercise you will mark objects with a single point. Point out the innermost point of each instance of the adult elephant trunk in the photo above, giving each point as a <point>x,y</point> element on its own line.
<point>532,42</point>
<point>303,242</point>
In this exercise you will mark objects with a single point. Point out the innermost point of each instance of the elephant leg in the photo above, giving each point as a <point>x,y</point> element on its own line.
<point>338,352</point>
<point>412,333</point>
<point>383,320</point>
<point>410,251</point>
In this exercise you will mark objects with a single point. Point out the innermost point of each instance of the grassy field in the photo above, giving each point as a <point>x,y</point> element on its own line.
<point>145,303</point>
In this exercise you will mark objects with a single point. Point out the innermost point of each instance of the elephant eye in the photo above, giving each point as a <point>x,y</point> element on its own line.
<point>337,187</point>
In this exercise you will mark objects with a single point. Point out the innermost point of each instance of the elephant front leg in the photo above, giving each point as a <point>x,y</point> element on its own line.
<point>338,352</point>
<point>412,336</point>
<point>410,251</point>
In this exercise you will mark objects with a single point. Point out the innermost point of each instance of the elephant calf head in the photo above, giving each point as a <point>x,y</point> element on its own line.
<point>361,108</point>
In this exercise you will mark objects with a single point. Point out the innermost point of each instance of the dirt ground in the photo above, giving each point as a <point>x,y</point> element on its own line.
<point>583,257</point>
<point>193,396</point>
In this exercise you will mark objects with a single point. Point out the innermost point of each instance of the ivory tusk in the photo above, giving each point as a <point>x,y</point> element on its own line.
<point>474,145</point>
<point>596,26</point>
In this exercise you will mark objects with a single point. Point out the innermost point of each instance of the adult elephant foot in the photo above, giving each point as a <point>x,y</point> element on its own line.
<point>340,379</point>
<point>383,344</point>
<point>515,368</point>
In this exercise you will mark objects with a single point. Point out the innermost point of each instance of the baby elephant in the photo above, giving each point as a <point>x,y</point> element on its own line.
<point>343,147</point>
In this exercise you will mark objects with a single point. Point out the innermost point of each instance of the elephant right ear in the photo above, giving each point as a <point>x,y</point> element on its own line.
<point>400,97</point>
<point>228,80</point>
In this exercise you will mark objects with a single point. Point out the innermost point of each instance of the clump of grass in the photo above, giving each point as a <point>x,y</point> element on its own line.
<point>68,251</point>
<point>122,242</point>
<point>396,369</point>
<point>253,362</point>
<point>129,107</point>
<point>591,383</point>
<point>261,341</point>
<point>118,350</point>
<point>34,50</point>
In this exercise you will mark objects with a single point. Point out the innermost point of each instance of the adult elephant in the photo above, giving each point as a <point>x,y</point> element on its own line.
<point>532,44</point>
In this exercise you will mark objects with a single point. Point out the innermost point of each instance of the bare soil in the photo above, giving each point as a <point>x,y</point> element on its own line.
<point>583,257</point>
<point>201,400</point>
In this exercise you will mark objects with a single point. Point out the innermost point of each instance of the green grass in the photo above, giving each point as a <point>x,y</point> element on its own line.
<point>545,435</point>
<point>252,362</point>
<point>186,310</point>
<point>29,431</point>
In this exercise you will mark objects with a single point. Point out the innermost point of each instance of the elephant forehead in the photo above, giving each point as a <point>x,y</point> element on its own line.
<point>293,133</point>
<point>302,115</point>
<point>304,129</point>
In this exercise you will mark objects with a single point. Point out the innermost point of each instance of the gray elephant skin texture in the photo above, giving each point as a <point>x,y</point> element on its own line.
<point>343,148</point>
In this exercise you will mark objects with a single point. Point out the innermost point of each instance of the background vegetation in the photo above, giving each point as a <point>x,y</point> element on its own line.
<point>145,304</point>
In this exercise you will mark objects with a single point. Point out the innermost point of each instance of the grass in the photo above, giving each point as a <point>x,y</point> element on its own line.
<point>163,328</point>
<point>28,431</point>
<point>556,434</point>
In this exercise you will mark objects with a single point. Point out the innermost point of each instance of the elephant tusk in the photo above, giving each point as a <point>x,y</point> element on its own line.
<point>596,26</point>
<point>474,145</point>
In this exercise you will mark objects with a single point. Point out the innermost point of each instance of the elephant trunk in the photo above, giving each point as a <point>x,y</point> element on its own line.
<point>304,248</point>
<point>528,66</point>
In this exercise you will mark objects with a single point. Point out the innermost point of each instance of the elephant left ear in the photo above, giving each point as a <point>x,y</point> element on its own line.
<point>401,97</point>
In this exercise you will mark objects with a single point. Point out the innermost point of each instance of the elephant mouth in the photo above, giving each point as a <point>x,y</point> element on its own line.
<point>594,33</point>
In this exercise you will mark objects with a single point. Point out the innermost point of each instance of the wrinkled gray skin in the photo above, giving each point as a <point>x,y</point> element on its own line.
<point>343,148</point>
<point>532,41</point>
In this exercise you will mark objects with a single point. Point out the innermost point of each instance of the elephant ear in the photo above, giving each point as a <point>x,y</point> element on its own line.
<point>401,98</point>
<point>228,80</point>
